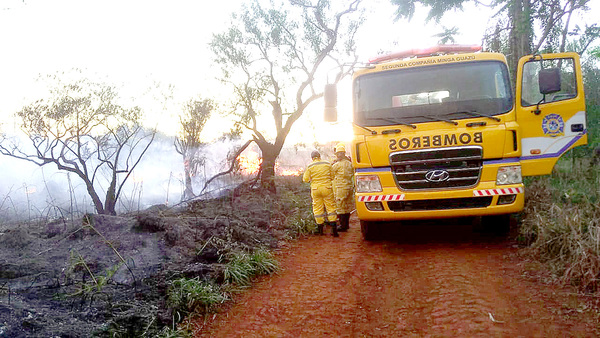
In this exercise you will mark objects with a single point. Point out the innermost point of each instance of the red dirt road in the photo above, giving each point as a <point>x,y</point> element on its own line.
<point>426,281</point>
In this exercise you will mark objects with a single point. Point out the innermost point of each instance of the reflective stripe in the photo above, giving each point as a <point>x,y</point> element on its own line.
<point>502,191</point>
<point>317,163</point>
<point>377,198</point>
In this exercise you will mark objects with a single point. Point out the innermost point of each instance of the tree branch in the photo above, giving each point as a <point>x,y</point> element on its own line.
<point>231,167</point>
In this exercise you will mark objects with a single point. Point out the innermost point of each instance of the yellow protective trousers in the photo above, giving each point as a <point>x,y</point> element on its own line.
<point>323,204</point>
<point>343,186</point>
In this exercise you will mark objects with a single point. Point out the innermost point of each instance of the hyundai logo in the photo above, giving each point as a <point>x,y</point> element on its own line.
<point>437,176</point>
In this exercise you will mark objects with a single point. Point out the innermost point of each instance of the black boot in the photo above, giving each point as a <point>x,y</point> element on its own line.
<point>342,226</point>
<point>334,229</point>
<point>319,229</point>
<point>344,222</point>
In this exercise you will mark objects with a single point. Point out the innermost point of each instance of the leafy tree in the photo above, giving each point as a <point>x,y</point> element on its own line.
<point>447,35</point>
<point>272,57</point>
<point>522,26</point>
<point>591,78</point>
<point>188,144</point>
<point>83,129</point>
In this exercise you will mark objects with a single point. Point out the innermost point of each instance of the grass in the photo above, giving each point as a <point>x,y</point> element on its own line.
<point>301,222</point>
<point>241,267</point>
<point>561,222</point>
<point>187,295</point>
<point>193,296</point>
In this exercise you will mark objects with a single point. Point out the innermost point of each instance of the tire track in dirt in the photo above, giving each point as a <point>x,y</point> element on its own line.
<point>346,287</point>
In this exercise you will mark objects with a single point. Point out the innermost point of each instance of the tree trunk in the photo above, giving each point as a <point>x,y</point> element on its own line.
<point>270,153</point>
<point>95,198</point>
<point>267,175</point>
<point>110,202</point>
<point>187,165</point>
<point>521,33</point>
<point>189,190</point>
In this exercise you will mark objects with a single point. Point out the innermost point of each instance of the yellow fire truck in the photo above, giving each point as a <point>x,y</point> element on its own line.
<point>440,133</point>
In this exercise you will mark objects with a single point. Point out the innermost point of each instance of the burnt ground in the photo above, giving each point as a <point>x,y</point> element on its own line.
<point>108,275</point>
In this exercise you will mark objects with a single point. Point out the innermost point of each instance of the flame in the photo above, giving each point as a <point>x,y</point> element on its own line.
<point>249,162</point>
<point>287,171</point>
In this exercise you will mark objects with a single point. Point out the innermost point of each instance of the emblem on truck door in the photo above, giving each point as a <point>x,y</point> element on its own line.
<point>437,176</point>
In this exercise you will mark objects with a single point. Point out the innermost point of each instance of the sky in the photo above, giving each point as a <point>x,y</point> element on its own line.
<point>138,43</point>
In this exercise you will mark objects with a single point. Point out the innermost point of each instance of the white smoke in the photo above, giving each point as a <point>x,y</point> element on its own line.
<point>30,192</point>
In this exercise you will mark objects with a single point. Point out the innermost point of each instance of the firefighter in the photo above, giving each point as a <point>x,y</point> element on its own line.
<point>319,175</point>
<point>343,186</point>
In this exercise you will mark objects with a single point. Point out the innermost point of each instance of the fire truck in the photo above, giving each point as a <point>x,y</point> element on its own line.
<point>441,133</point>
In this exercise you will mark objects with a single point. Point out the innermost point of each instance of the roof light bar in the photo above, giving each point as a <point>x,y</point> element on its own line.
<point>419,52</point>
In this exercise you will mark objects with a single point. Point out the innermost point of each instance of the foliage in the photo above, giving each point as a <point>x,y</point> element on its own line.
<point>301,222</point>
<point>521,27</point>
<point>241,266</point>
<point>277,53</point>
<point>83,129</point>
<point>186,295</point>
<point>447,36</point>
<point>88,290</point>
<point>437,8</point>
<point>591,81</point>
<point>562,222</point>
<point>593,125</point>
<point>173,333</point>
<point>193,295</point>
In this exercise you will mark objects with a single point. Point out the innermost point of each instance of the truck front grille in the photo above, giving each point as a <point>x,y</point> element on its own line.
<point>442,168</point>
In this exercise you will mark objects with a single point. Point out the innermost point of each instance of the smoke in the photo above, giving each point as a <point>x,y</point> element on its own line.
<point>30,192</point>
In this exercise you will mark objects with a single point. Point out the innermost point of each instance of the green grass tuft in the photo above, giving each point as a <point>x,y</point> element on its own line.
<point>241,266</point>
<point>187,295</point>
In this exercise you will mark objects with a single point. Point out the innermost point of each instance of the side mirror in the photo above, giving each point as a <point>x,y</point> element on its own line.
<point>549,80</point>
<point>330,98</point>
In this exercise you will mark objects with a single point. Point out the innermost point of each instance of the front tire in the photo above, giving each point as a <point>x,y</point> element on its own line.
<point>497,224</point>
<point>370,230</point>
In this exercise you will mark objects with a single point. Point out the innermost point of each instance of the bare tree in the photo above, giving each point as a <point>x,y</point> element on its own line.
<point>273,57</point>
<point>84,130</point>
<point>188,143</point>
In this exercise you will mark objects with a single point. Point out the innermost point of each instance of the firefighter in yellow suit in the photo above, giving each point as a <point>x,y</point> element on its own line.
<point>343,186</point>
<point>319,175</point>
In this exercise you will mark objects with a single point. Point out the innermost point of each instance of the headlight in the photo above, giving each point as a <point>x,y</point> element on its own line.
<point>509,175</point>
<point>368,183</point>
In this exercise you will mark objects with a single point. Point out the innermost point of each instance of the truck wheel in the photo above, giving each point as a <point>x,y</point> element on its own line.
<point>497,224</point>
<point>370,230</point>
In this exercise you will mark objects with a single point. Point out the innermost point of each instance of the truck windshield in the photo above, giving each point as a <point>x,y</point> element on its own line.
<point>424,94</point>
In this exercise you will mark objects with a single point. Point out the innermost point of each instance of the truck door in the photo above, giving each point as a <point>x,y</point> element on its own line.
<point>550,109</point>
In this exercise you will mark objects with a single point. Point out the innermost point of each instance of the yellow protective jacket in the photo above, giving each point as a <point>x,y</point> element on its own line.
<point>318,174</point>
<point>343,186</point>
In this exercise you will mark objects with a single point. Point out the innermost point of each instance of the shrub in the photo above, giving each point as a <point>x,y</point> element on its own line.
<point>562,222</point>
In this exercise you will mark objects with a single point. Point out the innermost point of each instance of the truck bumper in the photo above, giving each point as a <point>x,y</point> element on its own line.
<point>392,204</point>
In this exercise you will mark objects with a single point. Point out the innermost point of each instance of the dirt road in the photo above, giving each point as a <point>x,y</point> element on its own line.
<point>428,280</point>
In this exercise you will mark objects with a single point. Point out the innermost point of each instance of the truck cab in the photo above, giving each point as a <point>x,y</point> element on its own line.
<point>441,132</point>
